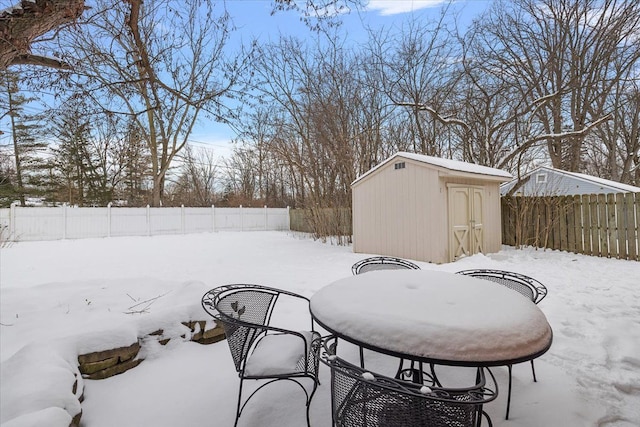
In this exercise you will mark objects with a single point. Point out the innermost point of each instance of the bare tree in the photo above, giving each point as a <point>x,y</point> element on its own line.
<point>318,15</point>
<point>161,63</point>
<point>198,178</point>
<point>613,150</point>
<point>564,57</point>
<point>316,100</point>
<point>416,69</point>
<point>490,112</point>
<point>257,141</point>
<point>25,24</point>
<point>629,135</point>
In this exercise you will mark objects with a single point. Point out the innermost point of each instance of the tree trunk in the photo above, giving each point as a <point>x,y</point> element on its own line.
<point>20,26</point>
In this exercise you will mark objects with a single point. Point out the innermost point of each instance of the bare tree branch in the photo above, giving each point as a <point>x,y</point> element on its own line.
<point>435,114</point>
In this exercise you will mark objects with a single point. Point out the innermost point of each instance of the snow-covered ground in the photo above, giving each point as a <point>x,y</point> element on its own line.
<point>64,298</point>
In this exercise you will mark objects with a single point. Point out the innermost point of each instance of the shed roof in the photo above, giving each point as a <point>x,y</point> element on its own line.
<point>613,185</point>
<point>456,167</point>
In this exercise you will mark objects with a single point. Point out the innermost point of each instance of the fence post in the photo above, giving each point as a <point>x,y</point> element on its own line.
<point>12,222</point>
<point>182,218</point>
<point>64,221</point>
<point>241,220</point>
<point>148,220</point>
<point>213,218</point>
<point>266,218</point>
<point>109,220</point>
<point>288,219</point>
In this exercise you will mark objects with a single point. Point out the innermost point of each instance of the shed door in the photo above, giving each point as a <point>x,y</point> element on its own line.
<point>466,221</point>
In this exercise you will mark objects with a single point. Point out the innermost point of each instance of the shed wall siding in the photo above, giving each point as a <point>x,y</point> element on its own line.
<point>404,212</point>
<point>399,212</point>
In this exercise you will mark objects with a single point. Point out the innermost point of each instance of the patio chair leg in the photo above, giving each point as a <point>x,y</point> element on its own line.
<point>533,369</point>
<point>484,414</point>
<point>315,387</point>
<point>239,405</point>
<point>509,393</point>
<point>432,368</point>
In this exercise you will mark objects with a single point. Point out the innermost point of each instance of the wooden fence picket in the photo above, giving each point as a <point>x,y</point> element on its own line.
<point>613,226</point>
<point>599,225</point>
<point>633,217</point>
<point>555,223</point>
<point>567,218</point>
<point>578,224</point>
<point>595,225</point>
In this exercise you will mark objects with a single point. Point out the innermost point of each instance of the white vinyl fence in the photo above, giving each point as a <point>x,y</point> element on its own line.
<point>64,222</point>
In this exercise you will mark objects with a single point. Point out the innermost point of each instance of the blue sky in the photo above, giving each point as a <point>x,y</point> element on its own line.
<point>253,19</point>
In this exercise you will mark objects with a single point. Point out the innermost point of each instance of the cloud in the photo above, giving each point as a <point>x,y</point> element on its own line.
<point>394,7</point>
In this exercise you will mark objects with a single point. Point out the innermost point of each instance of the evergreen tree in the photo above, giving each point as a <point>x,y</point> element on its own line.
<point>137,181</point>
<point>75,171</point>
<point>8,192</point>
<point>26,137</point>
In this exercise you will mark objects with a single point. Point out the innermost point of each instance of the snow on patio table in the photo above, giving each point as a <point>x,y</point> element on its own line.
<point>436,315</point>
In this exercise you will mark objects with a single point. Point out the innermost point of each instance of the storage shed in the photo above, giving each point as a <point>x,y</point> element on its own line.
<point>427,208</point>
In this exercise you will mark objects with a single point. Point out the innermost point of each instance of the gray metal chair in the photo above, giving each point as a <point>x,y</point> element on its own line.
<point>382,263</point>
<point>261,351</point>
<point>387,263</point>
<point>527,286</point>
<point>362,398</point>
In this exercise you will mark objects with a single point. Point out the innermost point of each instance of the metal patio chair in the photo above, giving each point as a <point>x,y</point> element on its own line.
<point>360,398</point>
<point>261,351</point>
<point>382,263</point>
<point>527,286</point>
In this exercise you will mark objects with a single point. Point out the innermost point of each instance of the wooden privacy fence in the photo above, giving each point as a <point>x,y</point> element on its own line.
<point>600,225</point>
<point>63,222</point>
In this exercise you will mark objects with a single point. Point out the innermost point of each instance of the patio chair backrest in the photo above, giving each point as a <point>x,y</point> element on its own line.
<point>362,398</point>
<point>382,263</point>
<point>241,309</point>
<point>261,351</point>
<point>525,285</point>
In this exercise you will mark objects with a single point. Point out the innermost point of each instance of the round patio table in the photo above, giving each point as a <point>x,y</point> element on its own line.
<point>433,317</point>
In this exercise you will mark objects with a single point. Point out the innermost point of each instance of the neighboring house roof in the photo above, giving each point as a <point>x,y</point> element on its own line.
<point>606,182</point>
<point>568,183</point>
<point>454,166</point>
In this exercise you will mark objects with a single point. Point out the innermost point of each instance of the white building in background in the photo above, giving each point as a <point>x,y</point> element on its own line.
<point>547,181</point>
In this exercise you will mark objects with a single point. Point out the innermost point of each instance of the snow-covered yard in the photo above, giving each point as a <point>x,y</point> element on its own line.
<point>64,298</point>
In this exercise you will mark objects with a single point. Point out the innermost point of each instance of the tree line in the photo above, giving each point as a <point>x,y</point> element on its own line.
<point>528,82</point>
